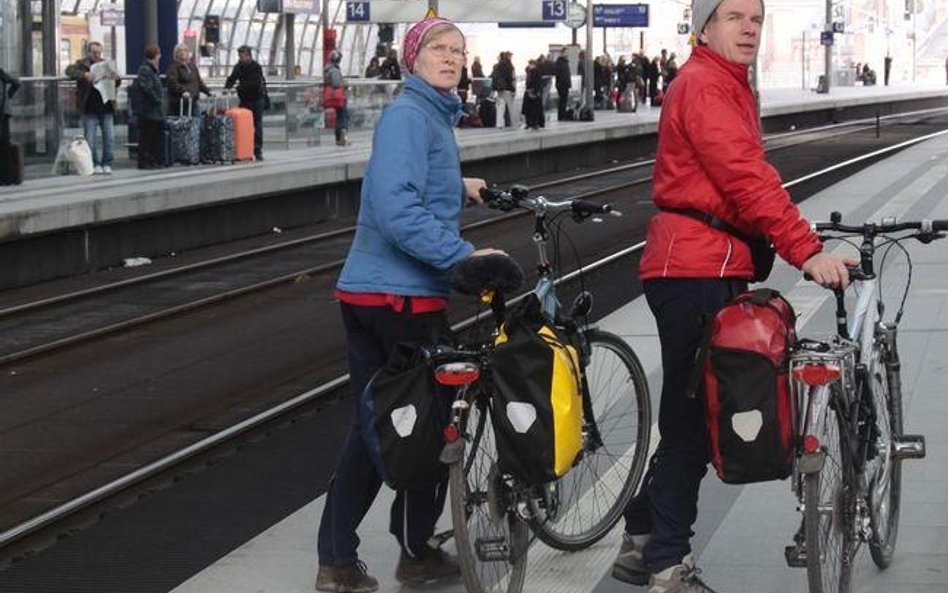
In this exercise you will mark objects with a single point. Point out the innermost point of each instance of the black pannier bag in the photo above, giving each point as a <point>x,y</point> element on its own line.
<point>403,413</point>
<point>744,366</point>
<point>536,404</point>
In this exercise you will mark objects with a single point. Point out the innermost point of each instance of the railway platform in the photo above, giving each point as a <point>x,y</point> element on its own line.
<point>186,539</point>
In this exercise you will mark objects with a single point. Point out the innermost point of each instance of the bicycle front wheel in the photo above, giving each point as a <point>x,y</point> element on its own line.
<point>884,472</point>
<point>828,510</point>
<point>491,537</point>
<point>583,506</point>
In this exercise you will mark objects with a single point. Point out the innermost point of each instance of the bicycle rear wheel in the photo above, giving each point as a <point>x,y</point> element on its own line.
<point>491,538</point>
<point>828,510</point>
<point>583,506</point>
<point>884,472</point>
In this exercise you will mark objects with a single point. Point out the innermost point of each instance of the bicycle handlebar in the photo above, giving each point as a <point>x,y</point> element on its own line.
<point>928,229</point>
<point>517,197</point>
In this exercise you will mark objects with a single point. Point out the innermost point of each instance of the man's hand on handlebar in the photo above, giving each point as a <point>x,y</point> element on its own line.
<point>828,270</point>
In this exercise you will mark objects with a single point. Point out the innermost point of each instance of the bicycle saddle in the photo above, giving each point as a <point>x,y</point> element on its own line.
<point>475,275</point>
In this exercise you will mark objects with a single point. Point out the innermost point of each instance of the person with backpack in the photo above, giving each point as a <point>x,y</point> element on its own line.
<point>393,289</point>
<point>710,172</point>
<point>334,97</point>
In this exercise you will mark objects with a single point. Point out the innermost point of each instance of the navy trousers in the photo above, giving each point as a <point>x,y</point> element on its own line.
<point>667,504</point>
<point>371,334</point>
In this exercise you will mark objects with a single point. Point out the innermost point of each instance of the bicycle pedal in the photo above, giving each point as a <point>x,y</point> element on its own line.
<point>795,556</point>
<point>492,549</point>
<point>909,446</point>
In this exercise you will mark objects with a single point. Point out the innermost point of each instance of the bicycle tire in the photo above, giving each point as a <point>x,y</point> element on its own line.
<point>885,486</point>
<point>829,567</point>
<point>580,508</point>
<point>478,514</point>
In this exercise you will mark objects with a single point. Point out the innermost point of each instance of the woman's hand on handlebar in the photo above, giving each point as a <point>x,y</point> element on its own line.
<point>472,189</point>
<point>829,270</point>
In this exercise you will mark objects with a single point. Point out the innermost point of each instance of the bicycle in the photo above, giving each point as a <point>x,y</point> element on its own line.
<point>494,513</point>
<point>848,398</point>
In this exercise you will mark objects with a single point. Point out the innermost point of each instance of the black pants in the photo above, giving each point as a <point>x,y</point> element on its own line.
<point>667,504</point>
<point>256,107</point>
<point>150,146</point>
<point>371,335</point>
<point>562,95</point>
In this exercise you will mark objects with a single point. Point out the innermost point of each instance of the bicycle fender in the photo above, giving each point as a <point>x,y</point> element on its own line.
<point>811,463</point>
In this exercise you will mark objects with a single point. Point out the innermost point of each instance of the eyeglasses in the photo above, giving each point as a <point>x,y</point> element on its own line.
<point>444,51</point>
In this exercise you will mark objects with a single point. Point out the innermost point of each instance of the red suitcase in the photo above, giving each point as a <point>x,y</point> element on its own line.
<point>243,132</point>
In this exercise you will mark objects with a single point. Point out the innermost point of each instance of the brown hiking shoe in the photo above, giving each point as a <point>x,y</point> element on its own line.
<point>347,578</point>
<point>436,565</point>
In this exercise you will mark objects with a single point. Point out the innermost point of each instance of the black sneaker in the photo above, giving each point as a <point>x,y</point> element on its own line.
<point>436,565</point>
<point>258,156</point>
<point>347,578</point>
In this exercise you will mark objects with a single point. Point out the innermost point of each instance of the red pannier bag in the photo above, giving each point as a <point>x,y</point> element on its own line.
<point>747,398</point>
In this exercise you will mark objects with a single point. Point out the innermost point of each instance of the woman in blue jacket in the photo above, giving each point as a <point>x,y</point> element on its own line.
<point>394,288</point>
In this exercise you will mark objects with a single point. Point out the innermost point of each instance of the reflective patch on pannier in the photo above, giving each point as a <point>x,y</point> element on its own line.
<point>403,419</point>
<point>521,415</point>
<point>747,425</point>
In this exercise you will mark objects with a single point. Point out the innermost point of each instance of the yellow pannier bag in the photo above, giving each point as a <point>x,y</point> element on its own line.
<point>536,404</point>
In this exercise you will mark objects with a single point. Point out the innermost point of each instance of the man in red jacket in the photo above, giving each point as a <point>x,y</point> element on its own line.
<point>710,160</point>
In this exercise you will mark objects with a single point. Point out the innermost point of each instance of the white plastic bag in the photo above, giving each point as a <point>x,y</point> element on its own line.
<point>80,156</point>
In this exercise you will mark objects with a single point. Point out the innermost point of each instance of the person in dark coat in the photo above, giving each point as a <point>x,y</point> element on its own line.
<point>8,87</point>
<point>390,70</point>
<point>151,110</point>
<point>252,91</point>
<point>652,74</point>
<point>373,69</point>
<point>563,84</point>
<point>184,81</point>
<point>96,112</point>
<point>533,97</point>
<point>504,81</point>
<point>464,86</point>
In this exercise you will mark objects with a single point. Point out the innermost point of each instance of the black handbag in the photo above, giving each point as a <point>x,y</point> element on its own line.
<point>761,248</point>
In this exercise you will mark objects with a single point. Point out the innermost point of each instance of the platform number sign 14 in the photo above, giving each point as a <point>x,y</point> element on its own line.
<point>554,10</point>
<point>357,12</point>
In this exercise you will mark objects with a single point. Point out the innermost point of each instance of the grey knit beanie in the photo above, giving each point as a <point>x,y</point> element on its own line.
<point>701,11</point>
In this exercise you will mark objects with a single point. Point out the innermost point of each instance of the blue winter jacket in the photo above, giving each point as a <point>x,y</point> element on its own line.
<point>407,234</point>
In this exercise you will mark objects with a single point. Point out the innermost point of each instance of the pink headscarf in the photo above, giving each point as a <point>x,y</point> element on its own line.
<point>416,35</point>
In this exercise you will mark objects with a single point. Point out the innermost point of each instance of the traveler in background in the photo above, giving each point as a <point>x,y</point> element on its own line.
<point>887,68</point>
<point>8,87</point>
<point>671,70</point>
<point>334,96</point>
<point>477,70</point>
<point>563,83</point>
<point>394,288</point>
<point>372,70</point>
<point>390,70</point>
<point>184,81</point>
<point>464,85</point>
<point>710,160</point>
<point>96,112</point>
<point>504,81</point>
<point>533,97</point>
<point>252,91</point>
<point>151,111</point>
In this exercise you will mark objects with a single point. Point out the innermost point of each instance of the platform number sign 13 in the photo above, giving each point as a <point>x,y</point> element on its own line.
<point>554,10</point>
<point>357,12</point>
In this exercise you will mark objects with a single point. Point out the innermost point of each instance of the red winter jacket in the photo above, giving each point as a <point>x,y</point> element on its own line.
<point>710,158</point>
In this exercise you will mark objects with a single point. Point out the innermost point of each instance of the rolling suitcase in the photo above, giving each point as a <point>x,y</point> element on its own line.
<point>243,132</point>
<point>217,137</point>
<point>488,112</point>
<point>185,135</point>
